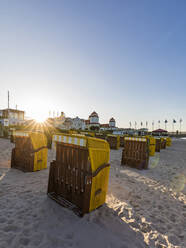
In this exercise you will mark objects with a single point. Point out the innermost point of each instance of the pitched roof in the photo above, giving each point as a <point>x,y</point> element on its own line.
<point>12,110</point>
<point>112,119</point>
<point>94,114</point>
<point>104,125</point>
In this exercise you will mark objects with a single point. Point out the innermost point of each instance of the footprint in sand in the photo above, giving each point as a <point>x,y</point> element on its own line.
<point>26,232</point>
<point>173,239</point>
<point>3,220</point>
<point>10,222</point>
<point>69,236</point>
<point>34,215</point>
<point>26,223</point>
<point>37,239</point>
<point>173,218</point>
<point>4,245</point>
<point>10,228</point>
<point>24,241</point>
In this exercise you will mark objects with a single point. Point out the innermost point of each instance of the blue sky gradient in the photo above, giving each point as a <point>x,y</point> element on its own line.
<point>125,59</point>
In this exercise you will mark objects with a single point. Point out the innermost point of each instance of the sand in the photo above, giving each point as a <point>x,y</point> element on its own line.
<point>143,208</point>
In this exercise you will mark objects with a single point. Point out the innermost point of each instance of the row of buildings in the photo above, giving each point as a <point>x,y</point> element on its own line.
<point>14,117</point>
<point>92,123</point>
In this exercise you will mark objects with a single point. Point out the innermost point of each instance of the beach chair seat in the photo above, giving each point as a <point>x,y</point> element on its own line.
<point>114,141</point>
<point>100,136</point>
<point>163,143</point>
<point>30,152</point>
<point>168,141</point>
<point>136,153</point>
<point>78,177</point>
<point>158,145</point>
<point>152,145</point>
<point>121,141</point>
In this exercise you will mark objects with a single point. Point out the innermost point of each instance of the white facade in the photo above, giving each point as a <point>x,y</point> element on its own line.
<point>142,131</point>
<point>94,120</point>
<point>121,131</point>
<point>104,128</point>
<point>15,116</point>
<point>4,122</point>
<point>78,123</point>
<point>15,121</point>
<point>59,122</point>
<point>109,126</point>
<point>112,123</point>
<point>69,123</point>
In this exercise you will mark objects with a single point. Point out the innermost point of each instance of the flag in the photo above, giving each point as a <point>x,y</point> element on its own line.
<point>141,123</point>
<point>166,121</point>
<point>174,121</point>
<point>146,123</point>
<point>181,120</point>
<point>158,121</point>
<point>135,124</point>
<point>130,123</point>
<point>152,125</point>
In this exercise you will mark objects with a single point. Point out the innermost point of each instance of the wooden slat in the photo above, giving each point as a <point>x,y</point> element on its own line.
<point>135,154</point>
<point>70,175</point>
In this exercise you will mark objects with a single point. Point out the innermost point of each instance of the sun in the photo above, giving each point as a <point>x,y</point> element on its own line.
<point>40,118</point>
<point>39,110</point>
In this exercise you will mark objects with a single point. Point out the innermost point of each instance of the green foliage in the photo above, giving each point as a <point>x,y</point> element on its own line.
<point>93,128</point>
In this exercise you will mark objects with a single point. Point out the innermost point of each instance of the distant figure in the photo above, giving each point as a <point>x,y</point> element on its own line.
<point>177,132</point>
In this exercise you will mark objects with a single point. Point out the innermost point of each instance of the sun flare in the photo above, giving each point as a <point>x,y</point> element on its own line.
<point>40,118</point>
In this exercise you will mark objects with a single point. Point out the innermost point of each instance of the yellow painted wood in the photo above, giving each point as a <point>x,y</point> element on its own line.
<point>152,145</point>
<point>118,140</point>
<point>99,154</point>
<point>38,140</point>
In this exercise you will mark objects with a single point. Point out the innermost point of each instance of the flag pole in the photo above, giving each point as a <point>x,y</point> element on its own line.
<point>180,124</point>
<point>173,126</point>
<point>8,100</point>
<point>152,125</point>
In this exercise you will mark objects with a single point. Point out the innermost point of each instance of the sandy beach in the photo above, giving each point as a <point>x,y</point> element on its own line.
<point>143,208</point>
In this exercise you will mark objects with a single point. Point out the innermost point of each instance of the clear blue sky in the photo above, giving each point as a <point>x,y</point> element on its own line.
<point>125,59</point>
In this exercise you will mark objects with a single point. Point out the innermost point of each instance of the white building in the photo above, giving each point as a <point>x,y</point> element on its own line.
<point>4,122</point>
<point>59,121</point>
<point>104,127</point>
<point>78,123</point>
<point>93,121</point>
<point>122,131</point>
<point>142,131</point>
<point>112,123</point>
<point>11,117</point>
<point>109,126</point>
<point>68,123</point>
